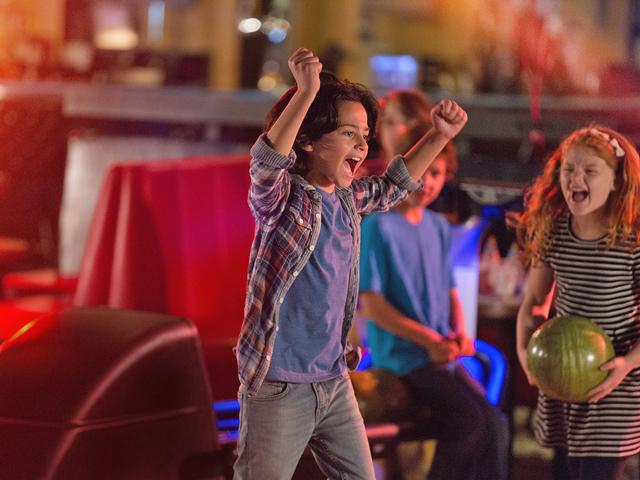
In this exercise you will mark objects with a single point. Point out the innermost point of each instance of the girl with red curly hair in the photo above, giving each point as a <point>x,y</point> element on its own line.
<point>579,231</point>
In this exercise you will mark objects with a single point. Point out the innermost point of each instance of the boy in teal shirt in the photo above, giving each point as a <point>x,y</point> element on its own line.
<point>416,329</point>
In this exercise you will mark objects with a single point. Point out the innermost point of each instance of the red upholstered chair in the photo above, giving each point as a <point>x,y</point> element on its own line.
<point>16,313</point>
<point>174,237</point>
<point>103,393</point>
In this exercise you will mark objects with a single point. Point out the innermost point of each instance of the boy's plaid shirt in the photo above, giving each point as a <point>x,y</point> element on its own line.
<point>288,210</point>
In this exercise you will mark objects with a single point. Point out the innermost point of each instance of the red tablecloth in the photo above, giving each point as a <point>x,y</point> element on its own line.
<point>174,237</point>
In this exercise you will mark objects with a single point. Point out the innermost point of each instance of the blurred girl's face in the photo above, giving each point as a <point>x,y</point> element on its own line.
<point>586,180</point>
<point>393,129</point>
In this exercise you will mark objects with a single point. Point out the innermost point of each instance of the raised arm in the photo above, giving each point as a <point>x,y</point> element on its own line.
<point>305,67</point>
<point>448,119</point>
<point>539,285</point>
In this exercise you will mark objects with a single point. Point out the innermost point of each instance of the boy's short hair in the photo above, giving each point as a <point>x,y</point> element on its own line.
<point>322,116</point>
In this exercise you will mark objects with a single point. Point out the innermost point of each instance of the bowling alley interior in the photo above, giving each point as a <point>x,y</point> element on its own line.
<point>129,230</point>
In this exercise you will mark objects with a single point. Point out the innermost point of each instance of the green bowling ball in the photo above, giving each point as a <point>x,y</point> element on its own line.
<point>564,356</point>
<point>381,395</point>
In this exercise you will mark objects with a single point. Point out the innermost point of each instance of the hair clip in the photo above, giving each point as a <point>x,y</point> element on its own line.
<point>617,148</point>
<point>619,151</point>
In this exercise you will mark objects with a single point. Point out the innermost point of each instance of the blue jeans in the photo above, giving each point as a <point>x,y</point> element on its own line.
<point>281,419</point>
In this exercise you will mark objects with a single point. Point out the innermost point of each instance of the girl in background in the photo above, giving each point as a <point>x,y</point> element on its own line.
<point>580,230</point>
<point>404,117</point>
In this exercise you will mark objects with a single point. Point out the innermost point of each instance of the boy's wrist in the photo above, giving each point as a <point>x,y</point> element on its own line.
<point>305,95</point>
<point>439,136</point>
<point>431,339</point>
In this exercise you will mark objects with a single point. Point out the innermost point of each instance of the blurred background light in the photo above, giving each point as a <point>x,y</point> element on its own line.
<point>394,71</point>
<point>271,66</point>
<point>275,28</point>
<point>249,25</point>
<point>113,26</point>
<point>155,20</point>
<point>276,35</point>
<point>116,38</point>
<point>267,83</point>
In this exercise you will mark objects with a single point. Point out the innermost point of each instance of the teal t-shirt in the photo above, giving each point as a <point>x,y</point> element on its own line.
<point>410,266</point>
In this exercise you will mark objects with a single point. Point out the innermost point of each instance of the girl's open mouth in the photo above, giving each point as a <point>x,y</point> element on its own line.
<point>579,196</point>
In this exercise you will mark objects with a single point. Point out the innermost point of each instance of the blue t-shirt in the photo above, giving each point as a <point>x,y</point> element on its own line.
<point>410,266</point>
<point>308,347</point>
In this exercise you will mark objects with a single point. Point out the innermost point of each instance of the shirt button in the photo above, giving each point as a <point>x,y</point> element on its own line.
<point>277,328</point>
<point>311,247</point>
<point>281,299</point>
<point>268,357</point>
<point>300,221</point>
<point>295,273</point>
<point>317,215</point>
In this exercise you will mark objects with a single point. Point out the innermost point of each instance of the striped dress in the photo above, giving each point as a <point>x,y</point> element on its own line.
<point>603,286</point>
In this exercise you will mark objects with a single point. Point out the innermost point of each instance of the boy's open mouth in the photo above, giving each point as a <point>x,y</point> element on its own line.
<point>353,163</point>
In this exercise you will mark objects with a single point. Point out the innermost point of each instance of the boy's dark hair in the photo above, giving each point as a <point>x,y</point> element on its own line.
<point>322,116</point>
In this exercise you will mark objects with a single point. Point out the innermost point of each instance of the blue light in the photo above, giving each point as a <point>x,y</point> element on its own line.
<point>394,71</point>
<point>226,406</point>
<point>277,35</point>
<point>228,424</point>
<point>474,366</point>
<point>490,211</point>
<point>365,362</point>
<point>488,366</point>
<point>495,382</point>
<point>225,436</point>
<point>155,19</point>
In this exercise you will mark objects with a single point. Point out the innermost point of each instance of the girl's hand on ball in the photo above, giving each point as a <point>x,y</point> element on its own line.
<point>618,368</point>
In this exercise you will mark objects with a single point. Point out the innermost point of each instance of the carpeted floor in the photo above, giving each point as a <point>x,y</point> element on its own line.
<point>532,462</point>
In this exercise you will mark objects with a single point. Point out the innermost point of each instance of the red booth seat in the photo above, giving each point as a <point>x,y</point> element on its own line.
<point>173,237</point>
<point>106,394</point>
<point>16,313</point>
<point>29,282</point>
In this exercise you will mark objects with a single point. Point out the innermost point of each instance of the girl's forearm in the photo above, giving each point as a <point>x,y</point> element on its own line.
<point>633,356</point>
<point>526,324</point>
<point>536,300</point>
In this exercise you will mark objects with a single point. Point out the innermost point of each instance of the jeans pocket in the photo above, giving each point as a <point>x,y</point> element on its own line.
<point>271,391</point>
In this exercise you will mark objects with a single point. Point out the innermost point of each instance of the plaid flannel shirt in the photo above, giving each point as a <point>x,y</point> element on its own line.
<point>288,210</point>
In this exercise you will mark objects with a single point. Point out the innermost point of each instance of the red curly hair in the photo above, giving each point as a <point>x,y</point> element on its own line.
<point>544,202</point>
